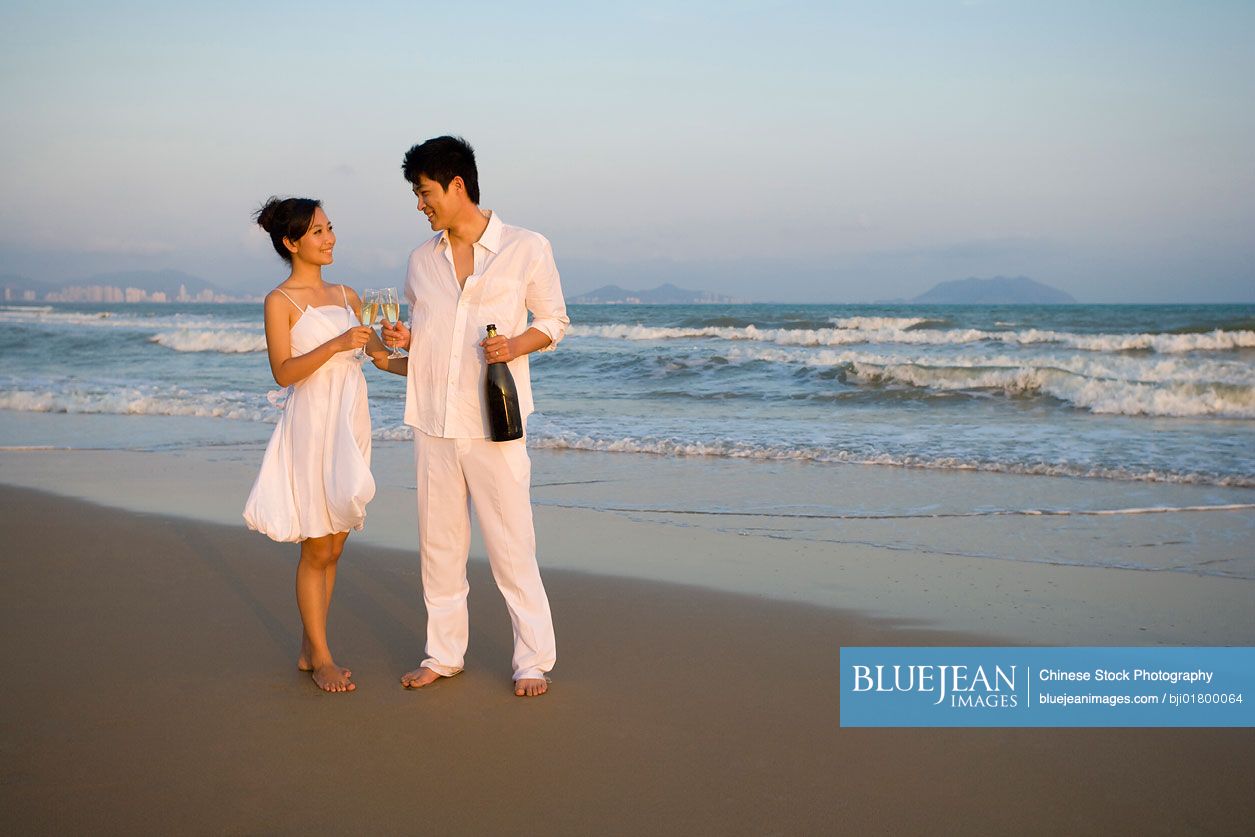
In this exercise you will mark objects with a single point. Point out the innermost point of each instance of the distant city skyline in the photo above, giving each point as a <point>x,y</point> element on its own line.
<point>777,151</point>
<point>114,293</point>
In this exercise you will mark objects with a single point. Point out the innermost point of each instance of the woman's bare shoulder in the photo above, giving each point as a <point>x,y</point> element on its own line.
<point>283,293</point>
<point>279,303</point>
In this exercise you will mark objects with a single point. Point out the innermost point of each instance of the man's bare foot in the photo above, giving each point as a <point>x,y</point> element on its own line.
<point>331,678</point>
<point>531,686</point>
<point>303,663</point>
<point>419,677</point>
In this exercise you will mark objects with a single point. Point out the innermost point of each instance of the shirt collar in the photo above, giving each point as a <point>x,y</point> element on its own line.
<point>490,239</point>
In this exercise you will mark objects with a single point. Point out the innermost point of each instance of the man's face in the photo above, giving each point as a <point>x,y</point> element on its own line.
<point>436,202</point>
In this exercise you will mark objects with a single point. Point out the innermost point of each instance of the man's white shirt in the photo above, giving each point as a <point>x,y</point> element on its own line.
<point>514,273</point>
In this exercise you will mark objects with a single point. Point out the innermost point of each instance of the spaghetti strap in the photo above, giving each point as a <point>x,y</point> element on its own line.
<point>345,294</point>
<point>291,300</point>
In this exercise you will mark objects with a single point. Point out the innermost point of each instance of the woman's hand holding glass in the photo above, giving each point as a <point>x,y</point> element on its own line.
<point>355,338</point>
<point>366,315</point>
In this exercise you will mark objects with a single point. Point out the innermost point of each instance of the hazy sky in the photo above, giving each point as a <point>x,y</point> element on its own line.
<point>773,151</point>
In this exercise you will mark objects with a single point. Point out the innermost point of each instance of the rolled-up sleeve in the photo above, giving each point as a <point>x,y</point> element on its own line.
<point>544,297</point>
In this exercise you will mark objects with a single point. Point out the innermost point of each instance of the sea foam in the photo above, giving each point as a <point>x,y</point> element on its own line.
<point>735,450</point>
<point>1213,341</point>
<point>1136,368</point>
<point>225,341</point>
<point>1096,395</point>
<point>135,401</point>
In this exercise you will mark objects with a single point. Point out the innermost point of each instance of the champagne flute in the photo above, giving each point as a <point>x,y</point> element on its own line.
<point>366,315</point>
<point>391,313</point>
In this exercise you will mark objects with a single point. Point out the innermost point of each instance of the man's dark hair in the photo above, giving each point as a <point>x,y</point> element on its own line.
<point>442,159</point>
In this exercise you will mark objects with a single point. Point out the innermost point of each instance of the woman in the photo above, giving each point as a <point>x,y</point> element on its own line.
<point>315,478</point>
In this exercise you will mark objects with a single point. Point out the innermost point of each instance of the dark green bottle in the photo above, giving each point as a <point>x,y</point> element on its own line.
<point>505,422</point>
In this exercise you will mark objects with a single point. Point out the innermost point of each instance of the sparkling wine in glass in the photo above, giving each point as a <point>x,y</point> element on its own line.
<point>366,315</point>
<point>391,313</point>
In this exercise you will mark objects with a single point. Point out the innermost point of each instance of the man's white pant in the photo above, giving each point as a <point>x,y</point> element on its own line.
<point>497,477</point>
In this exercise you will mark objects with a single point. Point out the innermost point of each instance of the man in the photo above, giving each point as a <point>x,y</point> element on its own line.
<point>475,271</point>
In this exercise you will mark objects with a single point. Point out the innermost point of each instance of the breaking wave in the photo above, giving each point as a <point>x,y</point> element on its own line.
<point>195,340</point>
<point>668,447</point>
<point>881,323</point>
<point>103,319</point>
<point>139,401</point>
<point>870,332</point>
<point>1131,368</point>
<point>1111,397</point>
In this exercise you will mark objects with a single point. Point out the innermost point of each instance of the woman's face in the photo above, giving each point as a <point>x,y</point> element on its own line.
<point>316,245</point>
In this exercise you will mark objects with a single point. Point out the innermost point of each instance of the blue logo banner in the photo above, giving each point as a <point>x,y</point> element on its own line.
<point>1047,687</point>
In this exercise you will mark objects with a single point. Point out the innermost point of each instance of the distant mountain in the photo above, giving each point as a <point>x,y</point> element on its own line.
<point>15,282</point>
<point>667,294</point>
<point>15,288</point>
<point>1000,290</point>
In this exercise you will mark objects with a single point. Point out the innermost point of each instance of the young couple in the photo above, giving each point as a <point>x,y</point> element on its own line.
<point>315,478</point>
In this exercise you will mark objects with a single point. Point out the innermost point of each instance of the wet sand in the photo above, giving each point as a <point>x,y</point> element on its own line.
<point>965,574</point>
<point>151,688</point>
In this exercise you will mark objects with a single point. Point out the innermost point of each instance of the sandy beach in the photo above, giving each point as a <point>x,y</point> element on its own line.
<point>153,686</point>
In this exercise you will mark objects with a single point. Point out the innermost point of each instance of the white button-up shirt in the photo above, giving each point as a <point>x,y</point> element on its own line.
<point>514,273</point>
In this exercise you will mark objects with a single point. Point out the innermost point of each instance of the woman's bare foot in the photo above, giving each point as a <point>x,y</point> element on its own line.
<point>331,678</point>
<point>303,663</point>
<point>419,677</point>
<point>531,686</point>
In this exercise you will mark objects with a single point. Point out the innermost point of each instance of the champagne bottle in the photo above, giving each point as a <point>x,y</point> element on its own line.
<point>504,419</point>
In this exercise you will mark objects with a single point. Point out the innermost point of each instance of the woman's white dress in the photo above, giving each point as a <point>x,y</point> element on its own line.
<point>315,476</point>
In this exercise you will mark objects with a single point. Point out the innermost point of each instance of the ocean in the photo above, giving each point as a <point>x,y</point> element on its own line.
<point>1138,393</point>
<point>1094,409</point>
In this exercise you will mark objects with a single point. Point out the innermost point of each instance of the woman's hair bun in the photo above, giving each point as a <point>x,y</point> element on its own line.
<point>265,215</point>
<point>286,218</point>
